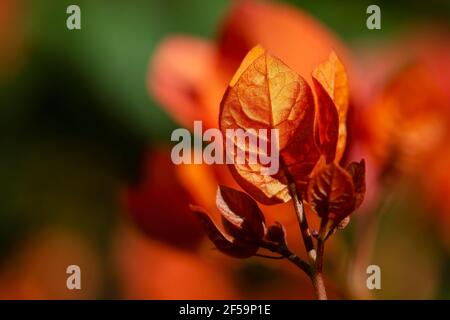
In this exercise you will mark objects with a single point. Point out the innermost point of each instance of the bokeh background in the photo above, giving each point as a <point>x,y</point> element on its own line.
<point>85,167</point>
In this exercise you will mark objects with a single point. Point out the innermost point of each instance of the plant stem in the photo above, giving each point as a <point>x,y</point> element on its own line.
<point>316,257</point>
<point>288,254</point>
<point>317,279</point>
<point>321,244</point>
<point>303,223</point>
<point>319,286</point>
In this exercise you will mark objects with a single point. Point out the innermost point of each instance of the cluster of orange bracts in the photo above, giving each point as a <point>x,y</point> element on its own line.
<point>266,94</point>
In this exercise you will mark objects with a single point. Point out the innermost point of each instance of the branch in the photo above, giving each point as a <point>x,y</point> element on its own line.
<point>316,257</point>
<point>268,257</point>
<point>303,223</point>
<point>288,254</point>
<point>317,278</point>
<point>321,244</point>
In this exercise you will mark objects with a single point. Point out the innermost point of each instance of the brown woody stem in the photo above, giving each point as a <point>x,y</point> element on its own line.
<point>316,257</point>
<point>319,286</point>
<point>321,244</point>
<point>288,254</point>
<point>303,223</point>
<point>318,281</point>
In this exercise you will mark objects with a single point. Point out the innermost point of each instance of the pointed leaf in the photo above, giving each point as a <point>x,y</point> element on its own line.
<point>266,94</point>
<point>332,77</point>
<point>331,192</point>
<point>242,217</point>
<point>357,171</point>
<point>327,123</point>
<point>230,247</point>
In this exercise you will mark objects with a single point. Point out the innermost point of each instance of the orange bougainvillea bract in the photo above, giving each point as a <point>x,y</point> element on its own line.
<point>266,94</point>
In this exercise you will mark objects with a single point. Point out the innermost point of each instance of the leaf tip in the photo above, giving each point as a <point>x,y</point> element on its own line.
<point>251,56</point>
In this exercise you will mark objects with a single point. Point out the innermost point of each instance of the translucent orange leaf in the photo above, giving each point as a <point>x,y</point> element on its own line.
<point>227,245</point>
<point>331,84</point>
<point>327,123</point>
<point>266,94</point>
<point>242,217</point>
<point>331,192</point>
<point>357,171</point>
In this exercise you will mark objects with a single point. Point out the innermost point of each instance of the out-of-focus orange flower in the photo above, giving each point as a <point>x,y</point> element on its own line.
<point>37,268</point>
<point>181,73</point>
<point>149,269</point>
<point>408,122</point>
<point>159,203</point>
<point>384,68</point>
<point>427,46</point>
<point>188,76</point>
<point>286,32</point>
<point>405,104</point>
